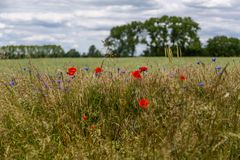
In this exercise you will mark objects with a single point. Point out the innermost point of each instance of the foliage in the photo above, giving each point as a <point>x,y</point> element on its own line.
<point>72,53</point>
<point>14,52</point>
<point>93,52</point>
<point>156,34</point>
<point>45,51</point>
<point>223,46</point>
<point>123,39</point>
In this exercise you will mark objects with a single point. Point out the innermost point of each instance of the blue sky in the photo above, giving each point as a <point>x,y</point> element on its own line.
<point>80,23</point>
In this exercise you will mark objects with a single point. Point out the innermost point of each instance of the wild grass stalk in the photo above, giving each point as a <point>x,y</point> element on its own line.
<point>42,115</point>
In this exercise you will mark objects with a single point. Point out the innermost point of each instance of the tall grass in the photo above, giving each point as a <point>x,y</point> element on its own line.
<point>41,114</point>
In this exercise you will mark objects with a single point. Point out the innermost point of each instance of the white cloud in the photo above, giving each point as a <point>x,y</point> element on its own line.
<point>40,38</point>
<point>29,16</point>
<point>80,23</point>
<point>210,3</point>
<point>2,25</point>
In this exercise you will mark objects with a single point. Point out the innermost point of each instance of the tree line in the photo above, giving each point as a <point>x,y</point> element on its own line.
<point>44,51</point>
<point>154,35</point>
<point>157,34</point>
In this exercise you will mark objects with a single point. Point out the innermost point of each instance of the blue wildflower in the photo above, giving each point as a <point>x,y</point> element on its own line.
<point>214,59</point>
<point>218,68</point>
<point>12,83</point>
<point>200,84</point>
<point>59,81</point>
<point>86,69</point>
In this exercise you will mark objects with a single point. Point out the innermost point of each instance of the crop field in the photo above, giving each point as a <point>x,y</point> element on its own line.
<point>53,64</point>
<point>120,108</point>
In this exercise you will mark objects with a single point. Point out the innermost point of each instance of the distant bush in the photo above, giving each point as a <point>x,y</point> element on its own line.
<point>93,52</point>
<point>72,53</point>
<point>45,51</point>
<point>223,46</point>
<point>34,51</point>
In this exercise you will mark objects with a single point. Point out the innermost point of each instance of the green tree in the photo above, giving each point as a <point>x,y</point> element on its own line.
<point>184,33</point>
<point>123,39</point>
<point>223,46</point>
<point>171,31</point>
<point>156,34</point>
<point>93,52</point>
<point>33,51</point>
<point>72,53</point>
<point>54,50</point>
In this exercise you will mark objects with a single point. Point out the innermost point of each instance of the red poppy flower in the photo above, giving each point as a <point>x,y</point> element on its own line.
<point>182,77</point>
<point>143,69</point>
<point>92,126</point>
<point>136,74</point>
<point>72,71</point>
<point>144,103</point>
<point>84,117</point>
<point>98,70</point>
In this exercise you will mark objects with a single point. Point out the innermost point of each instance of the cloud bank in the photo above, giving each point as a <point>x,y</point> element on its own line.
<point>80,23</point>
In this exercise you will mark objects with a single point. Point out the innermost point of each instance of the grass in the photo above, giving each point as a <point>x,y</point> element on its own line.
<point>53,64</point>
<point>42,118</point>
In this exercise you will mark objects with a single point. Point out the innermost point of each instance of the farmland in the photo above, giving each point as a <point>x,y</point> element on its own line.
<point>53,64</point>
<point>188,109</point>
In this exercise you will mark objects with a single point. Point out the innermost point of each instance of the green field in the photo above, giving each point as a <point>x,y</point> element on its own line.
<point>52,65</point>
<point>179,110</point>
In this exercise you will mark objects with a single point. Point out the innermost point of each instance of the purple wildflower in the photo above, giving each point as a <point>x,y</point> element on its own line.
<point>59,81</point>
<point>200,84</point>
<point>214,59</point>
<point>218,68</point>
<point>12,83</point>
<point>86,69</point>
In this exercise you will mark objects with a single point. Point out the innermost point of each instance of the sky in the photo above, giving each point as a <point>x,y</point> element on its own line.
<point>80,23</point>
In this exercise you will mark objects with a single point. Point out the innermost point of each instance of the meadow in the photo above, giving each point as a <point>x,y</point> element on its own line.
<point>187,109</point>
<point>53,64</point>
